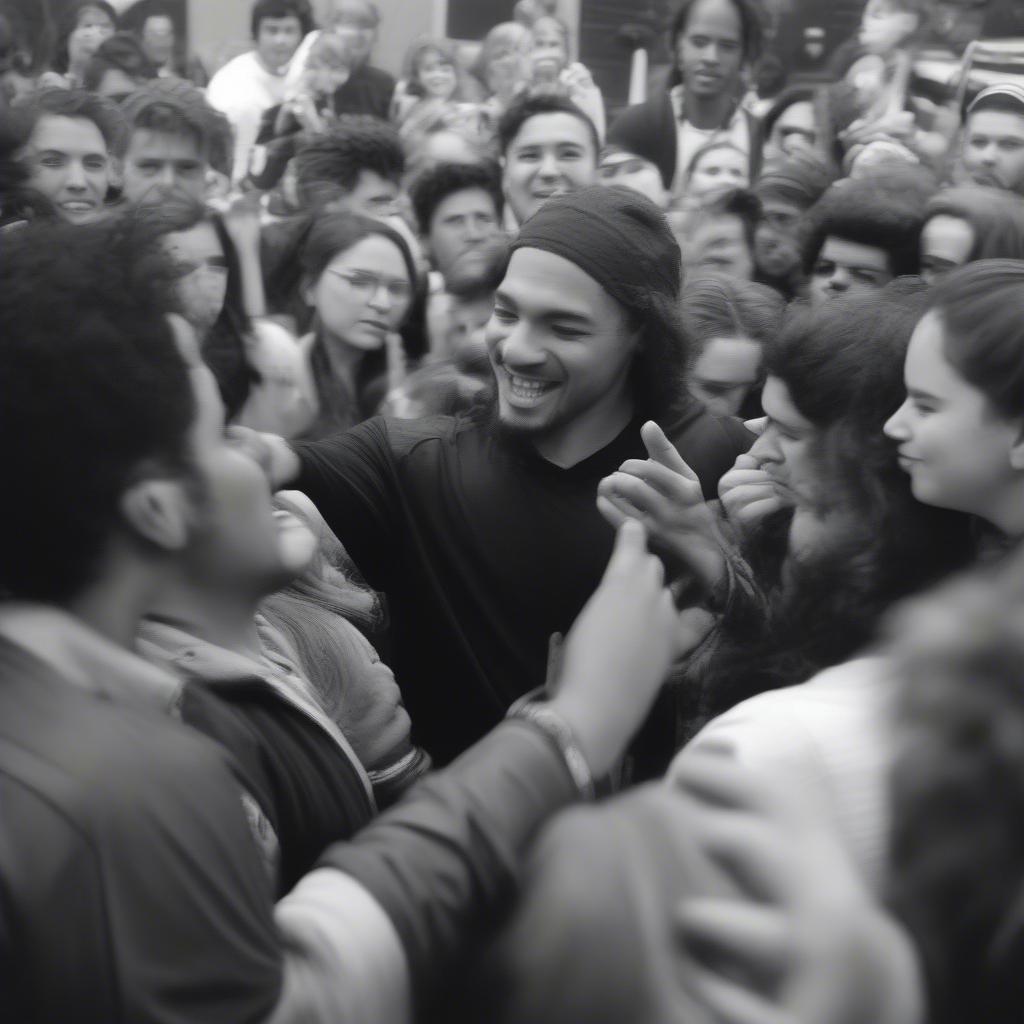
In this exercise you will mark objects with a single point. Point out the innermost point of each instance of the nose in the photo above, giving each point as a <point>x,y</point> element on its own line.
<point>548,166</point>
<point>988,155</point>
<point>765,449</point>
<point>895,427</point>
<point>840,280</point>
<point>75,180</point>
<point>517,349</point>
<point>381,300</point>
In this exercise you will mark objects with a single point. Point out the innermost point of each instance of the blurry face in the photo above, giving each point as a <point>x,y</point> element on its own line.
<point>158,39</point>
<point>436,75</point>
<point>277,39</point>
<point>725,372</point>
<point>553,154</point>
<point>776,240</point>
<point>718,245</point>
<point>636,173</point>
<point>373,196</point>
<point>363,293</point>
<point>709,51</point>
<point>548,55</point>
<point>354,21</point>
<point>795,131</point>
<point>68,163</point>
<point>462,222</point>
<point>884,27</point>
<point>848,268</point>
<point>93,29</point>
<point>115,85</point>
<point>238,544</point>
<point>946,243</point>
<point>719,169</point>
<point>468,321</point>
<point>446,147</point>
<point>784,447</point>
<point>325,72</point>
<point>994,148</point>
<point>561,349</point>
<point>506,69</point>
<point>199,259</point>
<point>952,443</point>
<point>168,161</point>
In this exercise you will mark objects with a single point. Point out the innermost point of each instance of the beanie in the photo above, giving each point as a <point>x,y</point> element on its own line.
<point>632,135</point>
<point>801,180</point>
<point>614,235</point>
<point>1006,91</point>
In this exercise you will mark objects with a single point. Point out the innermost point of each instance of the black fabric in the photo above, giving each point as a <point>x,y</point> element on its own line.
<point>483,548</point>
<point>308,788</point>
<point>367,91</point>
<point>131,887</point>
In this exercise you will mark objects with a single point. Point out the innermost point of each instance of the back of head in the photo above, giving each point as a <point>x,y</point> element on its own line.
<point>724,307</point>
<point>981,307</point>
<point>121,52</point>
<point>995,217</point>
<point>354,144</point>
<point>526,107</point>
<point>869,212</point>
<point>92,388</point>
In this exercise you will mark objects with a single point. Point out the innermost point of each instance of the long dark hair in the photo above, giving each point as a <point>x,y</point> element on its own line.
<point>328,238</point>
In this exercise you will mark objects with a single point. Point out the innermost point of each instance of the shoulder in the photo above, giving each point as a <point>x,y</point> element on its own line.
<point>406,436</point>
<point>647,116</point>
<point>379,77</point>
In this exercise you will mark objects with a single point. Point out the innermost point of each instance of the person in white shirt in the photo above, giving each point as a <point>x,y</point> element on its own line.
<point>255,81</point>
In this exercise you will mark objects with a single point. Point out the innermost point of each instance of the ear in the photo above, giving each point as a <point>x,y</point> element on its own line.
<point>159,511</point>
<point>1017,449</point>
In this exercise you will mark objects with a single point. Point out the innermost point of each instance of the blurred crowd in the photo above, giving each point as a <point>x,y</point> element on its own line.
<point>485,554</point>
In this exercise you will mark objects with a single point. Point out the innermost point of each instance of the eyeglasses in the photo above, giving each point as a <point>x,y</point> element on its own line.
<point>367,285</point>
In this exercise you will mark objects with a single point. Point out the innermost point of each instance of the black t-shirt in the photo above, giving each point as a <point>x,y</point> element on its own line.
<point>367,91</point>
<point>483,548</point>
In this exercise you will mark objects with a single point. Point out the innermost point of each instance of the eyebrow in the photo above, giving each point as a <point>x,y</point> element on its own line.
<point>551,314</point>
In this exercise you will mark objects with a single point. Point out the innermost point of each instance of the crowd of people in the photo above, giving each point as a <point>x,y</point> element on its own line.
<point>483,556</point>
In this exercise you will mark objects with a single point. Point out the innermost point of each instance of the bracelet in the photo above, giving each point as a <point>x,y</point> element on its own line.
<point>558,732</point>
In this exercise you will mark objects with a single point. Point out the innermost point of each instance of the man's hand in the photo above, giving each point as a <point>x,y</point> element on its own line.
<point>809,945</point>
<point>618,652</point>
<point>664,495</point>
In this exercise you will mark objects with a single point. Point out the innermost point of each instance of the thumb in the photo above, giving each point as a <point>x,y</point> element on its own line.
<point>630,543</point>
<point>663,451</point>
<point>746,461</point>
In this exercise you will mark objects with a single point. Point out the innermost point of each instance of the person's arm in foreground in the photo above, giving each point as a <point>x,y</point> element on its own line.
<point>810,946</point>
<point>375,925</point>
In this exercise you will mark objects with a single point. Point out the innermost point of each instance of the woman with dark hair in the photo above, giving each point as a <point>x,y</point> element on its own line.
<point>359,277</point>
<point>967,224</point>
<point>713,41</point>
<point>85,27</point>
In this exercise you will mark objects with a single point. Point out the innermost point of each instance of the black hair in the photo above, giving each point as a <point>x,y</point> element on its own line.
<point>300,9</point>
<point>720,307</point>
<point>843,367</point>
<point>786,99</point>
<point>868,212</point>
<point>435,184</point>
<point>995,216</point>
<point>355,143</point>
<point>69,23</point>
<point>751,26</point>
<point>224,349</point>
<point>77,103</point>
<point>121,52</point>
<point>526,107</point>
<point>734,202</point>
<point>982,310</point>
<point>93,391</point>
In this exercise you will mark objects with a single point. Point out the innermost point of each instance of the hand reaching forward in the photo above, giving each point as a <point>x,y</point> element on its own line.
<point>618,652</point>
<point>747,493</point>
<point>664,495</point>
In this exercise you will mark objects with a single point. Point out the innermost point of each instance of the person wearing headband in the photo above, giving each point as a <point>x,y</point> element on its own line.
<point>484,532</point>
<point>993,148</point>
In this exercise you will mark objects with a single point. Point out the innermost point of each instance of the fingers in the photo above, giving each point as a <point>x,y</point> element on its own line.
<point>673,485</point>
<point>664,452</point>
<point>692,626</point>
<point>626,509</point>
<point>728,1001</point>
<point>756,426</point>
<point>736,930</point>
<point>611,512</point>
<point>720,782</point>
<point>630,547</point>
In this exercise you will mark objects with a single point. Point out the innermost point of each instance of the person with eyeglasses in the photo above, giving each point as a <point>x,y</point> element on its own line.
<point>359,278</point>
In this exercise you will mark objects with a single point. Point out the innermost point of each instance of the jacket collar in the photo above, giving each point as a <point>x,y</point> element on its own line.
<point>85,658</point>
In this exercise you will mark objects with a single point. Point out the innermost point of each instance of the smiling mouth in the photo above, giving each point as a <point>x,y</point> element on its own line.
<point>529,389</point>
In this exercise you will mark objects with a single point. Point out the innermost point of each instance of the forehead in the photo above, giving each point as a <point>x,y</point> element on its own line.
<point>718,18</point>
<point>730,359</point>
<point>944,230</point>
<point>778,404</point>
<point>854,254</point>
<point>375,253</point>
<point>92,16</point>
<point>289,21</point>
<point>551,130</point>
<point>197,242</point>
<point>996,122</point>
<point>796,115</point>
<point>146,142</point>
<point>354,12</point>
<point>775,205</point>
<point>716,231</point>
<point>370,182</point>
<point>547,284</point>
<point>723,155</point>
<point>467,200</point>
<point>927,367</point>
<point>158,24</point>
<point>67,135</point>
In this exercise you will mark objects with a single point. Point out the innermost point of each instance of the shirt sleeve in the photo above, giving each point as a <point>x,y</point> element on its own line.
<point>352,481</point>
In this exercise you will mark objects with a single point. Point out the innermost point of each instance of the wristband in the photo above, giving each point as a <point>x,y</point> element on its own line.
<point>558,732</point>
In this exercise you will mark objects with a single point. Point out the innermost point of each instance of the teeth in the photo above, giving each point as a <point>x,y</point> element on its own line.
<point>524,388</point>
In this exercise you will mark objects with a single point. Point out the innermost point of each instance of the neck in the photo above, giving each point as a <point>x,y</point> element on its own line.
<point>272,69</point>
<point>707,111</point>
<point>226,621</point>
<point>114,605</point>
<point>587,434</point>
<point>342,357</point>
<point>1007,515</point>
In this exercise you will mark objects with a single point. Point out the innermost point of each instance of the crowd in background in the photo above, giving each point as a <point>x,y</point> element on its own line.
<point>481,554</point>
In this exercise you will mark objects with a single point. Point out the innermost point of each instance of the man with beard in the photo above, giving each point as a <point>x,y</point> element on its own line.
<point>484,533</point>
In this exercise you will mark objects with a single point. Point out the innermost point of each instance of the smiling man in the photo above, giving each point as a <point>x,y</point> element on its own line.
<point>68,153</point>
<point>485,533</point>
<point>549,148</point>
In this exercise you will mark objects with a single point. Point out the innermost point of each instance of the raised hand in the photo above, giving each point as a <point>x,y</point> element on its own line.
<point>618,652</point>
<point>664,494</point>
<point>747,492</point>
